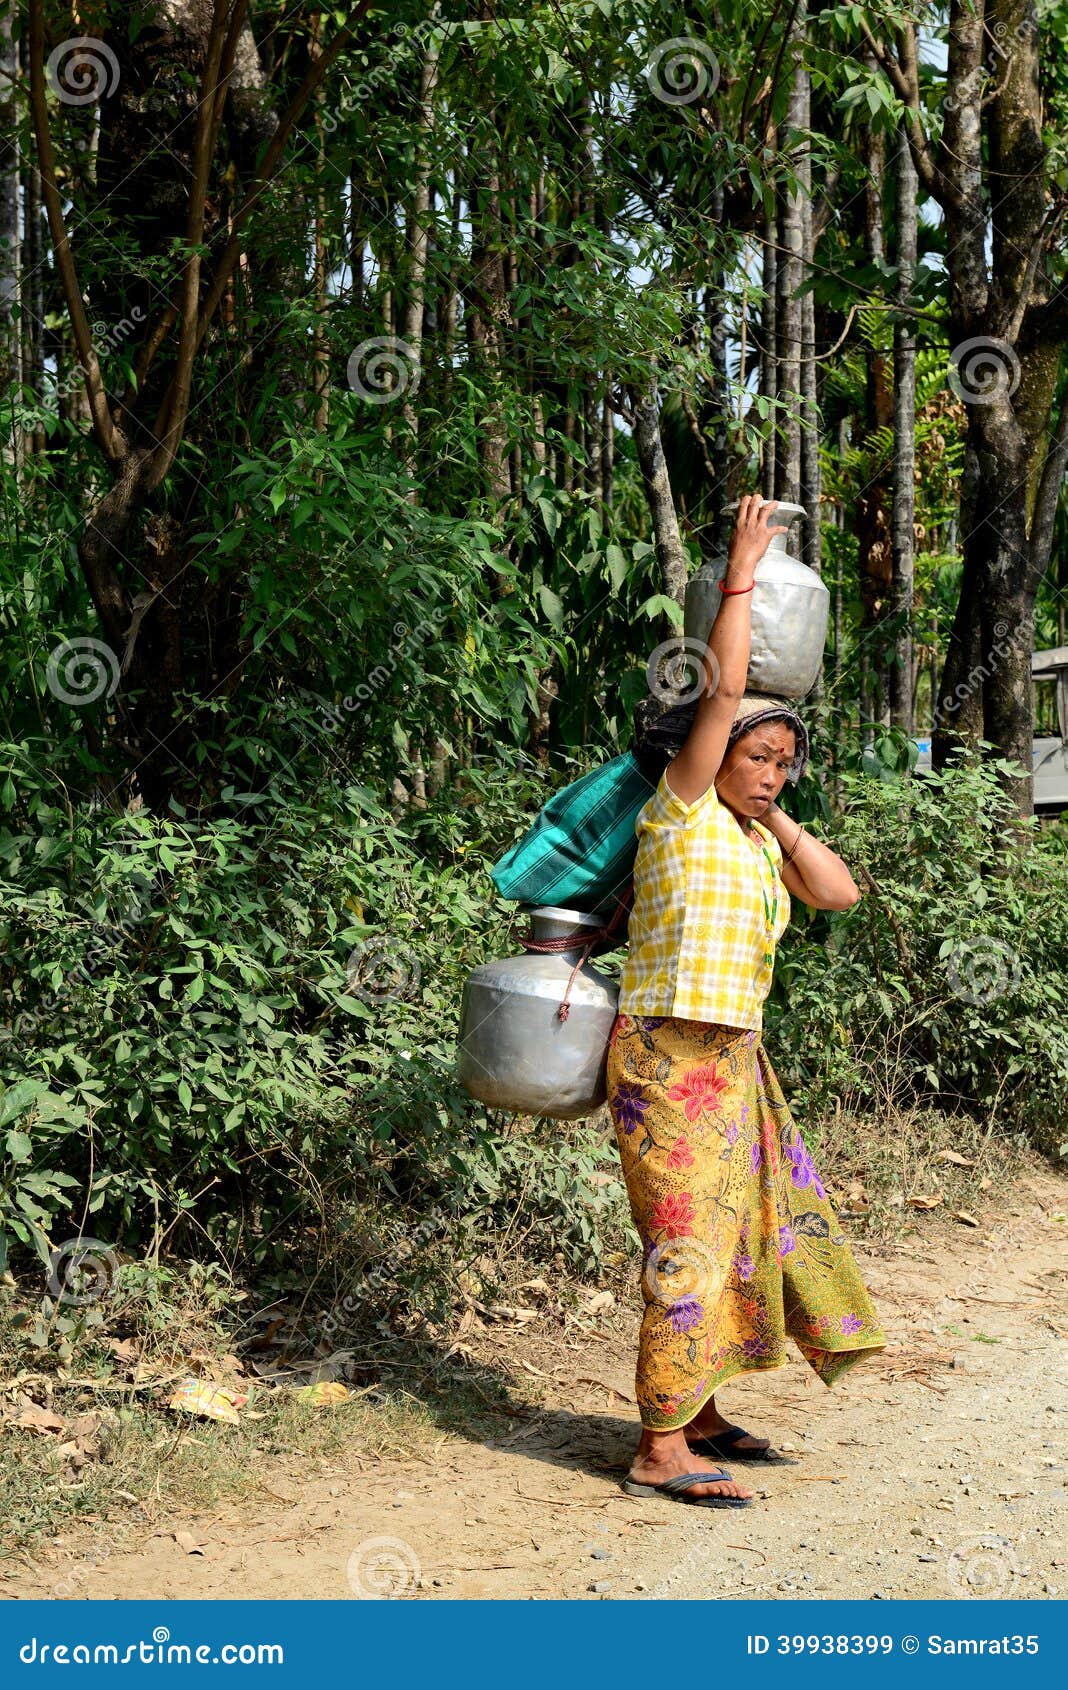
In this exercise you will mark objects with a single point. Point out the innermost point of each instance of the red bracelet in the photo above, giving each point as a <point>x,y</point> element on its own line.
<point>724,589</point>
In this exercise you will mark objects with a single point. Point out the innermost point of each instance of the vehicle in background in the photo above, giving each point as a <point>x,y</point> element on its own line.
<point>1049,677</point>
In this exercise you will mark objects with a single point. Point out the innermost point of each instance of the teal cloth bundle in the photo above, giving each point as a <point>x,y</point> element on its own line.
<point>580,851</point>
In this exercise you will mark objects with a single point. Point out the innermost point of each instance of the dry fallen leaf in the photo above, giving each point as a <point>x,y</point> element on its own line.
<point>963,1215</point>
<point>955,1157</point>
<point>34,1418</point>
<point>192,1545</point>
<point>925,1202</point>
<point>124,1348</point>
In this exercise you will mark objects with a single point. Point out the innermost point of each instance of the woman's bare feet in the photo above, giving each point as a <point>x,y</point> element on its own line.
<point>709,1422</point>
<point>665,1455</point>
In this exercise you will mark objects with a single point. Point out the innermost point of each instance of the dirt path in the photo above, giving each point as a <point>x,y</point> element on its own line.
<point>937,1470</point>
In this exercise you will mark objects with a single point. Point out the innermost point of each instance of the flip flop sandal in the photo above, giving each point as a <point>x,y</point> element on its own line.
<point>678,1489</point>
<point>723,1448</point>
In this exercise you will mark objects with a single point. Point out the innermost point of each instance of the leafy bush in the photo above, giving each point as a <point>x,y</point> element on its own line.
<point>946,983</point>
<point>245,1027</point>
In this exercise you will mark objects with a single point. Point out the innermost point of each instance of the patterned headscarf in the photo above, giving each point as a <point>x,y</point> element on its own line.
<point>661,730</point>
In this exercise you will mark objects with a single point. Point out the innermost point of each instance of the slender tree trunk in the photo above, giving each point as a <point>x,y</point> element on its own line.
<point>487,310</point>
<point>874,553</point>
<point>451,303</point>
<point>10,253</point>
<point>670,552</point>
<point>418,236</point>
<point>769,333</point>
<point>790,271</point>
<point>320,347</point>
<point>33,293</point>
<point>904,501</point>
<point>810,491</point>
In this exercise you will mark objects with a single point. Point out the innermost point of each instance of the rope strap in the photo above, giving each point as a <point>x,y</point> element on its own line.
<point>552,947</point>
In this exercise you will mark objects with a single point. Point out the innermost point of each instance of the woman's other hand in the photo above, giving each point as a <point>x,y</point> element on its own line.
<point>750,538</point>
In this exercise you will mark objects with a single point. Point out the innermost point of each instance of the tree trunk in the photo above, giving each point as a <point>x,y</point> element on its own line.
<point>769,332</point>
<point>810,492</point>
<point>904,501</point>
<point>1008,328</point>
<point>790,272</point>
<point>10,254</point>
<point>670,553</point>
<point>874,552</point>
<point>418,236</point>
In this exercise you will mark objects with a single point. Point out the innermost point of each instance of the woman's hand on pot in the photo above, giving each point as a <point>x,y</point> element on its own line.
<point>750,539</point>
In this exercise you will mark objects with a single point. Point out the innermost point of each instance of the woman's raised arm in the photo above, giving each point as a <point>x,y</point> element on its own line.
<point>692,771</point>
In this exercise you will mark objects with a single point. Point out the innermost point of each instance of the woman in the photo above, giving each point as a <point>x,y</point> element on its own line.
<point>741,1246</point>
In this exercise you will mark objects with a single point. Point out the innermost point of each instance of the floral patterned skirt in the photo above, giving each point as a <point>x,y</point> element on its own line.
<point>740,1244</point>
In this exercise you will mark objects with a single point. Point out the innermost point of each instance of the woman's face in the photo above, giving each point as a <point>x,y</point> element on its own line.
<point>755,768</point>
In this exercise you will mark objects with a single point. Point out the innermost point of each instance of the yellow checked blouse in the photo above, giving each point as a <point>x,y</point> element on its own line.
<point>709,908</point>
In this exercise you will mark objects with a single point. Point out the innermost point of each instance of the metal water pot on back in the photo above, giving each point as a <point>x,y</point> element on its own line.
<point>790,611</point>
<point>515,1051</point>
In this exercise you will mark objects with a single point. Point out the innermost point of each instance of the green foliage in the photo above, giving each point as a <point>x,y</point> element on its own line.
<point>248,1024</point>
<point>944,985</point>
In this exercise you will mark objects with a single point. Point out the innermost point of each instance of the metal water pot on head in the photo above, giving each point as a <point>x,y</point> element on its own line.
<point>516,1051</point>
<point>789,614</point>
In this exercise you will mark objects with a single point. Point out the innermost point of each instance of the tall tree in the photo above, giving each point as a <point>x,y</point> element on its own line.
<point>904,500</point>
<point>989,171</point>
